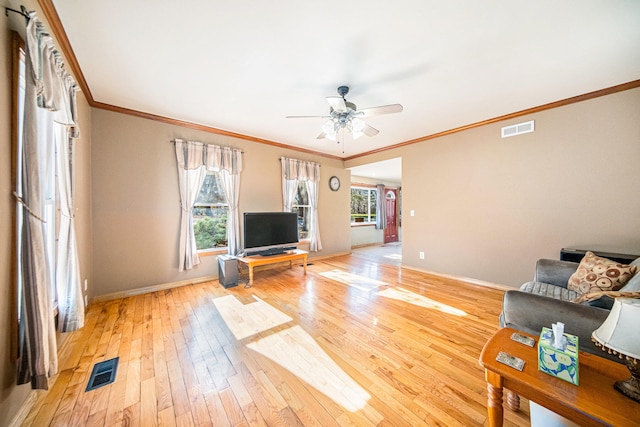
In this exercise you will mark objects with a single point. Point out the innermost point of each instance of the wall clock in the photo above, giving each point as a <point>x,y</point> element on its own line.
<point>334,183</point>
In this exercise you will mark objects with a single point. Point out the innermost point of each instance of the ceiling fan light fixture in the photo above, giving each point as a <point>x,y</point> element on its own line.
<point>329,129</point>
<point>344,116</point>
<point>357,127</point>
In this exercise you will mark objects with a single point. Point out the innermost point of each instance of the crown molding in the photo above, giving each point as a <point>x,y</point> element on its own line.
<point>50,13</point>
<point>568,101</point>
<point>52,17</point>
<point>204,128</point>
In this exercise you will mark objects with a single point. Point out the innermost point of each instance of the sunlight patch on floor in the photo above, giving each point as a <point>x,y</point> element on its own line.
<point>296,351</point>
<point>292,348</point>
<point>401,294</point>
<point>394,256</point>
<point>359,282</point>
<point>250,319</point>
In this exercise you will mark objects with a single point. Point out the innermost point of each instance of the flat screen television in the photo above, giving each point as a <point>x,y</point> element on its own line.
<point>270,233</point>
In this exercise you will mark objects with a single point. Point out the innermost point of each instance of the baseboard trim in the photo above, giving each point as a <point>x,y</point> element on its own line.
<point>149,289</point>
<point>333,255</point>
<point>23,413</point>
<point>467,280</point>
<point>367,245</point>
<point>171,285</point>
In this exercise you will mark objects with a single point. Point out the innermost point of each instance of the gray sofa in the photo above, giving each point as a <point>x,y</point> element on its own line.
<point>547,300</point>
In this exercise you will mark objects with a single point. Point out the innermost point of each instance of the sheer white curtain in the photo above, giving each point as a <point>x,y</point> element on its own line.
<point>297,170</point>
<point>49,98</point>
<point>381,208</point>
<point>69,284</point>
<point>194,160</point>
<point>191,174</point>
<point>68,281</point>
<point>228,162</point>
<point>314,230</point>
<point>289,185</point>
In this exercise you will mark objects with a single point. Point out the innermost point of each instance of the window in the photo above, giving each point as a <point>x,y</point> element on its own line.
<point>17,105</point>
<point>47,174</point>
<point>302,207</point>
<point>363,205</point>
<point>210,214</point>
<point>47,171</point>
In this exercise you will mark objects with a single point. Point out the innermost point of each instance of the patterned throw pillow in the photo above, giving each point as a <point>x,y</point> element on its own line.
<point>595,274</point>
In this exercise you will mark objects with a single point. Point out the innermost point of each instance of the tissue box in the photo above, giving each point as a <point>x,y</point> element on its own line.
<point>559,363</point>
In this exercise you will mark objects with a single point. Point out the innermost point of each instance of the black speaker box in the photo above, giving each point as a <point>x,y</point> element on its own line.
<point>228,271</point>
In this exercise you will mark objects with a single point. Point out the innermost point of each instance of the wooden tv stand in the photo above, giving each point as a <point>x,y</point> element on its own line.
<point>257,260</point>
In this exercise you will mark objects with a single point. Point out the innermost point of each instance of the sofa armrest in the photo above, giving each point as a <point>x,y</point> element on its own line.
<point>554,272</point>
<point>529,313</point>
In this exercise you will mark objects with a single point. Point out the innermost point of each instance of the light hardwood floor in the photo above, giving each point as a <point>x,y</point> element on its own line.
<point>355,342</point>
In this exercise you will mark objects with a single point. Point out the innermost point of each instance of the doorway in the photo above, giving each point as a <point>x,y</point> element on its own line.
<point>391,229</point>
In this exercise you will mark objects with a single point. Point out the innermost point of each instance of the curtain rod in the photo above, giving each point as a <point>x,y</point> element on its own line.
<point>22,11</point>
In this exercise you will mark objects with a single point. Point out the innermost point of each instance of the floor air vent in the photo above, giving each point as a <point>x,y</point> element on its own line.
<point>103,373</point>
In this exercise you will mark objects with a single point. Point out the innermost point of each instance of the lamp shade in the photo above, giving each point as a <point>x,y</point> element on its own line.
<point>619,332</point>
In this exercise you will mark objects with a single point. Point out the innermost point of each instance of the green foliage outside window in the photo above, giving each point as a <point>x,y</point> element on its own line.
<point>363,204</point>
<point>210,230</point>
<point>210,215</point>
<point>301,206</point>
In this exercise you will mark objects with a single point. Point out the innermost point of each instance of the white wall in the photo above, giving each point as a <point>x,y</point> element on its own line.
<point>487,208</point>
<point>136,202</point>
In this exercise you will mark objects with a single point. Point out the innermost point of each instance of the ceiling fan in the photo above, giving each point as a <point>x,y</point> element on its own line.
<point>345,115</point>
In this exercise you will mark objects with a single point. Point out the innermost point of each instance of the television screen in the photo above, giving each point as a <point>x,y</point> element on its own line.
<point>269,229</point>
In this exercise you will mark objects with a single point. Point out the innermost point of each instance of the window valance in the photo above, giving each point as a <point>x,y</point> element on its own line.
<point>300,170</point>
<point>293,172</point>
<point>55,88</point>
<point>212,157</point>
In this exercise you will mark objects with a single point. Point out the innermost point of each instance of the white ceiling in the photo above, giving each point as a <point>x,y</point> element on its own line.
<point>384,172</point>
<point>244,65</point>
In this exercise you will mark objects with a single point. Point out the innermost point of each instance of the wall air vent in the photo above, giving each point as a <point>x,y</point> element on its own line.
<point>518,129</point>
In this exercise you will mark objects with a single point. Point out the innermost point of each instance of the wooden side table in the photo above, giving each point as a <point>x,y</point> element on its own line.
<point>592,403</point>
<point>256,260</point>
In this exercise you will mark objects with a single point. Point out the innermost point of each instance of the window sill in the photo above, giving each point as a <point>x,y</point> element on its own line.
<point>213,251</point>
<point>363,224</point>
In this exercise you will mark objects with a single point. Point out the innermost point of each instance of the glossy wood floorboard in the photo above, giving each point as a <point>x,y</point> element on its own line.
<point>353,343</point>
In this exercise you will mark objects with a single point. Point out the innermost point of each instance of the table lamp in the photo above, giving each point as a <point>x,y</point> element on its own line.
<point>619,335</point>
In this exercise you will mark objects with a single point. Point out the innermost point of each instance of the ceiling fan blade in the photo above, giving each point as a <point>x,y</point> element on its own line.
<point>337,103</point>
<point>307,117</point>
<point>369,130</point>
<point>322,135</point>
<point>383,109</point>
